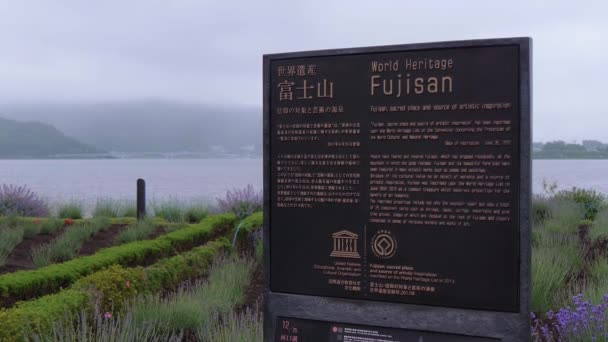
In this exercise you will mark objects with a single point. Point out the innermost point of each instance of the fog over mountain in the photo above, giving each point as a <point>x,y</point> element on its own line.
<point>151,125</point>
<point>37,140</point>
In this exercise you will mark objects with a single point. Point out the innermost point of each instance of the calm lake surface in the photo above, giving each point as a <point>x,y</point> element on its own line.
<point>206,179</point>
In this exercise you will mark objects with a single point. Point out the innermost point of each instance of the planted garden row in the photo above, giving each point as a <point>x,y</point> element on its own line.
<point>67,245</point>
<point>23,285</point>
<point>13,232</point>
<point>107,290</point>
<point>251,223</point>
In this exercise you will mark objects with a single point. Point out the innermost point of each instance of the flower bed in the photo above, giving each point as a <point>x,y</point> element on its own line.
<point>31,284</point>
<point>106,289</point>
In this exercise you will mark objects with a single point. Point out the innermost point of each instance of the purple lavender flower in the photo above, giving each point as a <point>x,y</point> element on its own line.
<point>582,319</point>
<point>20,200</point>
<point>242,202</point>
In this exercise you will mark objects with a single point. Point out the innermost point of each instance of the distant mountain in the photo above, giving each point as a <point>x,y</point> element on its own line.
<point>153,126</point>
<point>37,140</point>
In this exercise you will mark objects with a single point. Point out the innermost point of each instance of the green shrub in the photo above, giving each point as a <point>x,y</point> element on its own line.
<point>40,313</point>
<point>541,210</point>
<point>250,225</point>
<point>565,217</point>
<point>250,234</point>
<point>33,283</point>
<point>109,289</point>
<point>170,272</point>
<point>599,229</point>
<point>591,200</point>
<point>104,290</point>
<point>252,222</point>
<point>73,210</point>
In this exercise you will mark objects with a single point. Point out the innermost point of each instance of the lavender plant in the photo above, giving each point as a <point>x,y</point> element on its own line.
<point>242,202</point>
<point>20,200</point>
<point>583,321</point>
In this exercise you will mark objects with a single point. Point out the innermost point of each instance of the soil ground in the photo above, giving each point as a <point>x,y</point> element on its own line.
<point>20,258</point>
<point>254,295</point>
<point>103,239</point>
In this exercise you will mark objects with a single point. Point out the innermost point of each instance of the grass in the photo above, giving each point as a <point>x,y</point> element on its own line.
<point>72,210</point>
<point>566,263</point>
<point>113,208</point>
<point>102,329</point>
<point>10,221</point>
<point>50,226</point>
<point>597,287</point>
<point>105,208</point>
<point>599,229</point>
<point>194,214</point>
<point>200,306</point>
<point>564,217</point>
<point>11,237</point>
<point>552,266</point>
<point>171,211</point>
<point>129,210</point>
<point>138,231</point>
<point>557,256</point>
<point>178,211</point>
<point>67,245</point>
<point>245,327</point>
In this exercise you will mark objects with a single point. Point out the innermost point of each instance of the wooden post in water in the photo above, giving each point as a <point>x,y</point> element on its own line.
<point>141,199</point>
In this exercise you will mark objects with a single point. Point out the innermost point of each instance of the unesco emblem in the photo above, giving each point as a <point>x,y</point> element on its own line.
<point>384,244</point>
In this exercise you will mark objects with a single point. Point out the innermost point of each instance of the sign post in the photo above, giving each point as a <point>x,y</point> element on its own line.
<point>397,193</point>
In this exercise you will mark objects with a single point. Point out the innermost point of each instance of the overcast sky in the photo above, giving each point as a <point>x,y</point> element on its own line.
<point>211,51</point>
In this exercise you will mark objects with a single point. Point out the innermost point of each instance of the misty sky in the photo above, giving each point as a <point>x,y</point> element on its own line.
<point>211,51</point>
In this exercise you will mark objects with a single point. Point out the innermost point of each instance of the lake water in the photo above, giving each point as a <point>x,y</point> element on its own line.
<point>199,180</point>
<point>206,179</point>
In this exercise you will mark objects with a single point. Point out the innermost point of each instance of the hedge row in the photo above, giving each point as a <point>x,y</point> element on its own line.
<point>23,285</point>
<point>107,291</point>
<point>250,224</point>
<point>114,220</point>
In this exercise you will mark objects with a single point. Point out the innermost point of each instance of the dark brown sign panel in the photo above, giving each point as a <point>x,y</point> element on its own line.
<point>396,175</point>
<point>300,330</point>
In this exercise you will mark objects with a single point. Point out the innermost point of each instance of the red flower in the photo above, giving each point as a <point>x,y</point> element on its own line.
<point>68,222</point>
<point>36,221</point>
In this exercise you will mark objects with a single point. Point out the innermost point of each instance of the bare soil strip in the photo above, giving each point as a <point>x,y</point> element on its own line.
<point>103,239</point>
<point>20,257</point>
